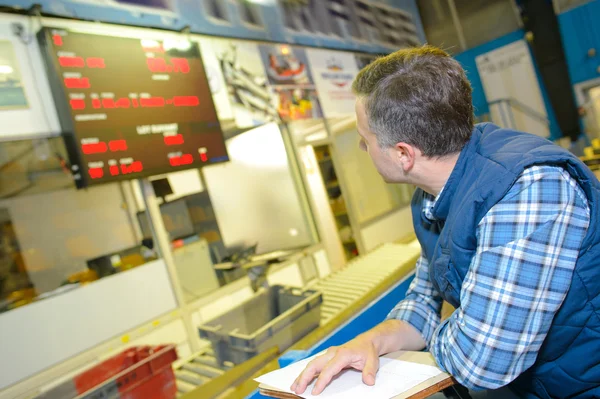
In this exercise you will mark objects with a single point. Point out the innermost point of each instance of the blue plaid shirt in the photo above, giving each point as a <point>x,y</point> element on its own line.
<point>510,293</point>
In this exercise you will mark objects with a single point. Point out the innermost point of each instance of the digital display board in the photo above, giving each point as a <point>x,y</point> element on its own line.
<point>131,108</point>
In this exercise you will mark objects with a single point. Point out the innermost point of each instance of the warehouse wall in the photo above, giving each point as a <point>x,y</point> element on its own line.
<point>580,34</point>
<point>467,60</point>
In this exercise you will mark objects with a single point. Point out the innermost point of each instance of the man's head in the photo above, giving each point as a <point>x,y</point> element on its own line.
<point>414,103</point>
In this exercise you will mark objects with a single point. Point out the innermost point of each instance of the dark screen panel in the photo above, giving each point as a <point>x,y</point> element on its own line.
<point>131,108</point>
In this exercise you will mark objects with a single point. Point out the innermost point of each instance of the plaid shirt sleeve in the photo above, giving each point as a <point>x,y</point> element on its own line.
<point>422,304</point>
<point>527,249</point>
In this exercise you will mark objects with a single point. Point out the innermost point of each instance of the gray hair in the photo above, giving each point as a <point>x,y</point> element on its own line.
<point>420,96</point>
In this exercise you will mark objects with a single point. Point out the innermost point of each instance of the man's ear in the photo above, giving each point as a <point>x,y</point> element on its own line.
<point>405,155</point>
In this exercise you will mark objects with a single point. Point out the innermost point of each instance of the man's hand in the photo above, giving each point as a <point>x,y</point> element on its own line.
<point>359,354</point>
<point>362,354</point>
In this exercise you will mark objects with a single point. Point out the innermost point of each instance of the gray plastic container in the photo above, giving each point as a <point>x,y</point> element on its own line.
<point>275,316</point>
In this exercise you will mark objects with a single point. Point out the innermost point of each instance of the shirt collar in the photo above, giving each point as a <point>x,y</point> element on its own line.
<point>429,202</point>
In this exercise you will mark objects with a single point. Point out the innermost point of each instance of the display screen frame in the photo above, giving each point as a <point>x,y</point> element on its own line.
<point>54,73</point>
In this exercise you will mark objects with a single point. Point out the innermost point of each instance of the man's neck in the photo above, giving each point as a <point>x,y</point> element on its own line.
<point>435,172</point>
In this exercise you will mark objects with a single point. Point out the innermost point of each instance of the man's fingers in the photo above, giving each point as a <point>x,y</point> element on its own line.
<point>371,367</point>
<point>313,368</point>
<point>331,369</point>
<point>308,374</point>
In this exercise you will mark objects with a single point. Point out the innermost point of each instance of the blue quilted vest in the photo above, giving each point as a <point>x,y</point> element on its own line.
<point>568,364</point>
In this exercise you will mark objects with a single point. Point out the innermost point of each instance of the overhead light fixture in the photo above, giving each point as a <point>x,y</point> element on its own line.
<point>6,69</point>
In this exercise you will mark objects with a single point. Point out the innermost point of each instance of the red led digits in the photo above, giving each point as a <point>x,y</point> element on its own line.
<point>174,140</point>
<point>156,64</point>
<point>186,101</point>
<point>149,102</point>
<point>117,121</point>
<point>137,166</point>
<point>184,159</point>
<point>73,62</point>
<point>95,62</point>
<point>110,103</point>
<point>77,83</point>
<point>94,148</point>
<point>122,103</point>
<point>96,173</point>
<point>181,65</point>
<point>117,145</point>
<point>134,167</point>
<point>203,156</point>
<point>152,102</point>
<point>160,65</point>
<point>77,104</point>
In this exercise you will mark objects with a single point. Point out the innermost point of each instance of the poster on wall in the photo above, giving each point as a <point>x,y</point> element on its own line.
<point>333,73</point>
<point>511,88</point>
<point>238,82</point>
<point>12,93</point>
<point>295,95</point>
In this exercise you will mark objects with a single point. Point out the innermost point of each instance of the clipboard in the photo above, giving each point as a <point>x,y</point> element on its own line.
<point>423,390</point>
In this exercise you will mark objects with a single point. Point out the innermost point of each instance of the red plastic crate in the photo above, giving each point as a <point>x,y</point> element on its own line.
<point>138,372</point>
<point>160,386</point>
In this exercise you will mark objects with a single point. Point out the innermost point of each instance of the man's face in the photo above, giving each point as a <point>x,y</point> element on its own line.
<point>383,158</point>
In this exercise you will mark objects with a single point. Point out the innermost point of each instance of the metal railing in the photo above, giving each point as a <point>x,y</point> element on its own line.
<point>506,117</point>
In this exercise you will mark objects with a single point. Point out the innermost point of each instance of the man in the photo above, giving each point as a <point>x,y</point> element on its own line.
<point>506,222</point>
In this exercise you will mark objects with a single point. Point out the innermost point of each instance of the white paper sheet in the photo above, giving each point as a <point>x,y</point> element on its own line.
<point>393,378</point>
